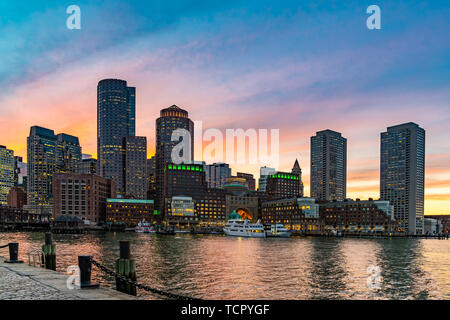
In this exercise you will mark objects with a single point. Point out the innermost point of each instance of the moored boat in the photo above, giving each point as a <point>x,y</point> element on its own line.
<point>145,227</point>
<point>277,230</point>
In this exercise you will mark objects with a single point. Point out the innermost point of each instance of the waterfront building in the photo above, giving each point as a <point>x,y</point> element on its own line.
<point>82,195</point>
<point>171,119</point>
<point>264,172</point>
<point>17,197</point>
<point>249,178</point>
<point>328,166</point>
<point>184,180</point>
<point>283,185</point>
<point>431,226</point>
<point>357,216</point>
<point>444,221</point>
<point>240,199</point>
<point>217,174</point>
<point>88,166</point>
<point>6,173</point>
<point>136,184</point>
<point>115,120</point>
<point>402,174</point>
<point>20,173</point>
<point>300,215</point>
<point>68,153</point>
<point>129,212</point>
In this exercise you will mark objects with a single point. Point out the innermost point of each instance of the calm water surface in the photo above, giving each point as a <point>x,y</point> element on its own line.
<point>219,267</point>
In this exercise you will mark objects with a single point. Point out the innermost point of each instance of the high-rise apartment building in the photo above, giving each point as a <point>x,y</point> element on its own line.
<point>116,110</point>
<point>402,174</point>
<point>135,164</point>
<point>6,173</point>
<point>171,119</point>
<point>69,154</point>
<point>328,166</point>
<point>217,174</point>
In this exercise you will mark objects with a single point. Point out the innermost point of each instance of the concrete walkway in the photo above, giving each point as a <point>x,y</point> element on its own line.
<point>20,281</point>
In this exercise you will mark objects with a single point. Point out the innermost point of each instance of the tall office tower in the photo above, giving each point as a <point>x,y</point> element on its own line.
<point>402,174</point>
<point>6,173</point>
<point>68,153</point>
<point>135,163</point>
<point>328,166</point>
<point>170,119</point>
<point>48,154</point>
<point>115,121</point>
<point>20,173</point>
<point>249,178</point>
<point>297,170</point>
<point>41,155</point>
<point>217,174</point>
<point>151,178</point>
<point>264,172</point>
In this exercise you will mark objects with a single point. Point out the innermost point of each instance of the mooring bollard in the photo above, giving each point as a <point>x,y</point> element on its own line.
<point>85,265</point>
<point>49,251</point>
<point>126,267</point>
<point>13,253</point>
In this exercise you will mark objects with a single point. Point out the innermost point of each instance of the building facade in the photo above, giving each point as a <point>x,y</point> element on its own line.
<point>20,173</point>
<point>283,185</point>
<point>129,212</point>
<point>171,119</point>
<point>264,172</point>
<point>328,166</point>
<point>349,216</point>
<point>48,154</point>
<point>135,173</point>
<point>300,215</point>
<point>115,120</point>
<point>402,174</point>
<point>6,173</point>
<point>249,178</point>
<point>88,166</point>
<point>82,195</point>
<point>217,174</point>
<point>17,197</point>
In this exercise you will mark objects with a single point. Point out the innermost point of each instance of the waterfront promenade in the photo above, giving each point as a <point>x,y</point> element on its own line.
<point>19,281</point>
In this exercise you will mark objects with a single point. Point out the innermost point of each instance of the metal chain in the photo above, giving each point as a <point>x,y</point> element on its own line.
<point>138,285</point>
<point>6,245</point>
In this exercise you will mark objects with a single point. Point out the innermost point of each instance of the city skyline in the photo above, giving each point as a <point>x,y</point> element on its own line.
<point>354,89</point>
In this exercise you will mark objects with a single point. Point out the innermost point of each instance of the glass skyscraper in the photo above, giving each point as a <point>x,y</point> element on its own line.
<point>328,166</point>
<point>47,154</point>
<point>135,167</point>
<point>402,174</point>
<point>116,109</point>
<point>6,173</point>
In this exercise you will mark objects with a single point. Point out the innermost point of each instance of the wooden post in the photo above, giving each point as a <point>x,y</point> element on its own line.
<point>126,267</point>
<point>49,252</point>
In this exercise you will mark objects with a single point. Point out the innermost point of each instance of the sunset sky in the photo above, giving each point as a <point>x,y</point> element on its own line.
<point>297,66</point>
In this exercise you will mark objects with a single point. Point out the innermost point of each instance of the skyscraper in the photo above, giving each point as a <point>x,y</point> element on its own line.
<point>20,173</point>
<point>48,154</point>
<point>135,172</point>
<point>6,173</point>
<point>69,154</point>
<point>115,120</point>
<point>170,119</point>
<point>402,174</point>
<point>328,166</point>
<point>217,174</point>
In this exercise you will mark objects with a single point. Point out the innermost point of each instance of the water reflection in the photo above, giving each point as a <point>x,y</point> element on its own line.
<point>218,267</point>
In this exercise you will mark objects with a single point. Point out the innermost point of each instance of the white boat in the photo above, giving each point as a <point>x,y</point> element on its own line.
<point>277,230</point>
<point>244,228</point>
<point>145,227</point>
